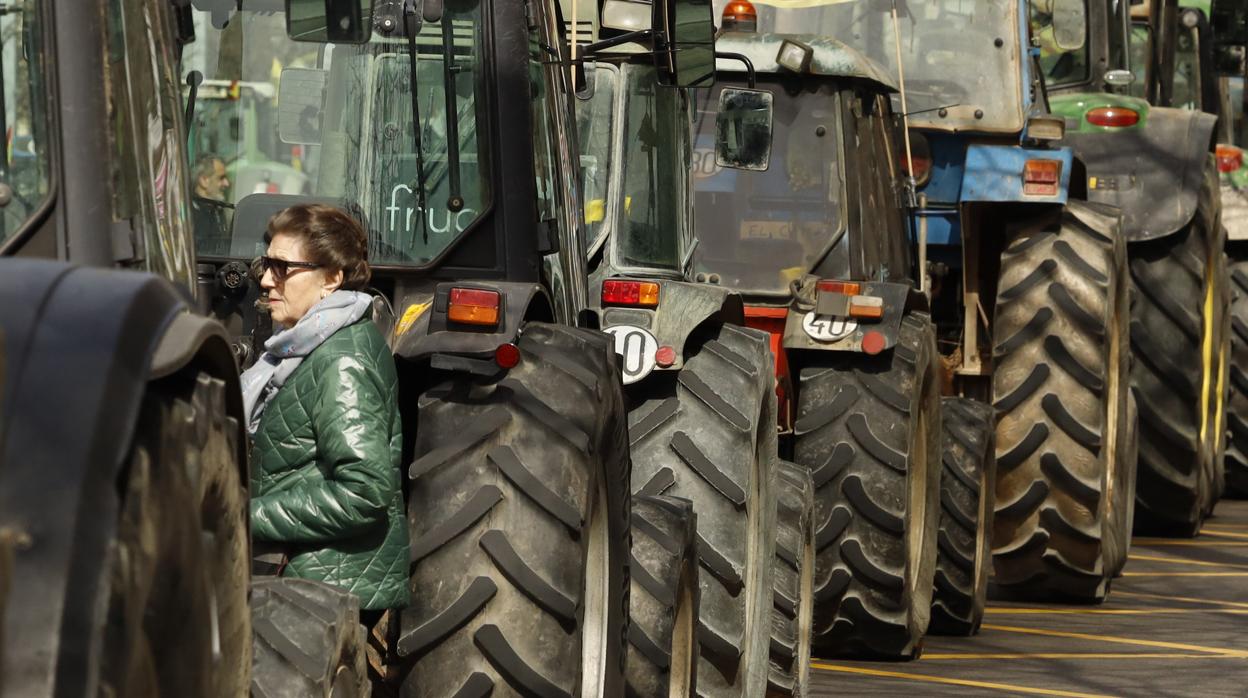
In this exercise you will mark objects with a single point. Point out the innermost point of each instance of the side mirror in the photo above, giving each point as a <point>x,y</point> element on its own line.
<point>329,21</point>
<point>686,56</point>
<point>1070,24</point>
<point>743,129</point>
<point>300,101</point>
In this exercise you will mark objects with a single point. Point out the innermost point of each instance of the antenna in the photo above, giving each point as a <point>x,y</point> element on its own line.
<point>911,184</point>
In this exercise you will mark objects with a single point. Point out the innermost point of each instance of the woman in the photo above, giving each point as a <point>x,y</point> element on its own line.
<point>322,410</point>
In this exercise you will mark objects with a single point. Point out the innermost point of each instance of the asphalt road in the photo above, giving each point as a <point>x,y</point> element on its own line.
<point>1175,624</point>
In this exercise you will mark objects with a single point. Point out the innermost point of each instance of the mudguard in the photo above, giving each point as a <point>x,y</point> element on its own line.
<point>995,173</point>
<point>77,350</point>
<point>683,308</point>
<point>1152,172</point>
<point>423,330</point>
<point>897,299</point>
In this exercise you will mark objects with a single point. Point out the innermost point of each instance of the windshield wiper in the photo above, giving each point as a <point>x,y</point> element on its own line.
<point>411,26</point>
<point>455,202</point>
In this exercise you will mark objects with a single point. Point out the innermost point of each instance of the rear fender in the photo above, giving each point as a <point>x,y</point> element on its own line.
<point>1153,172</point>
<point>995,173</point>
<point>897,298</point>
<point>423,328</point>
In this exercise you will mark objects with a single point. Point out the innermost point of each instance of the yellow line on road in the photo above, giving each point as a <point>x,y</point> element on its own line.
<point>1091,611</point>
<point>1181,561</point>
<point>1011,688</point>
<point>1185,599</point>
<point>1168,543</point>
<point>1223,534</point>
<point>1185,574</point>
<point>1221,651</point>
<point>1073,655</point>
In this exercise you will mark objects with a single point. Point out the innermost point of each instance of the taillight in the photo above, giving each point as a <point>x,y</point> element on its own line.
<point>866,307</point>
<point>507,355</point>
<point>1230,158</point>
<point>920,164</point>
<point>637,293</point>
<point>848,288</point>
<point>1041,177</point>
<point>473,306</point>
<point>740,16</point>
<point>1113,117</point>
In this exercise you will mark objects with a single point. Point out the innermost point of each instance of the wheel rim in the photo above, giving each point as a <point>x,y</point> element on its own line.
<point>597,596</point>
<point>682,642</point>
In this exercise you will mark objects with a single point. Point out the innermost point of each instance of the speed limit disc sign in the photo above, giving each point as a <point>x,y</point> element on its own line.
<point>636,347</point>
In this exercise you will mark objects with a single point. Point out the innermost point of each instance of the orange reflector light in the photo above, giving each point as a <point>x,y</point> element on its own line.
<point>638,293</point>
<point>1113,117</point>
<point>507,355</point>
<point>866,307</point>
<point>849,288</point>
<point>740,16</point>
<point>473,306</point>
<point>1041,177</point>
<point>1230,158</point>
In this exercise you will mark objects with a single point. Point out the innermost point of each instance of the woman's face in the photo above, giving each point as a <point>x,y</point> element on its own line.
<point>290,297</point>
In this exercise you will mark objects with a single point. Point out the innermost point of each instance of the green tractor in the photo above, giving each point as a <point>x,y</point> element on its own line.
<point>1156,163</point>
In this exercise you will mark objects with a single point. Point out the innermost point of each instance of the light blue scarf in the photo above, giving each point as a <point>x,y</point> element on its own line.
<point>284,351</point>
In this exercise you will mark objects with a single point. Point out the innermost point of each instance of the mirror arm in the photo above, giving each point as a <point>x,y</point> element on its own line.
<point>193,80</point>
<point>749,65</point>
<point>628,38</point>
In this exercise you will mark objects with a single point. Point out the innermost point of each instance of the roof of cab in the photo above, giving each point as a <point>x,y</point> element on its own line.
<point>830,57</point>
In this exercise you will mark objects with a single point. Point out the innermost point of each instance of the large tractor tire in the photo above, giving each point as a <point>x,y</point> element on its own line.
<point>308,641</point>
<point>518,512</point>
<point>1060,387</point>
<point>1179,338</point>
<point>1237,404</point>
<point>967,494</point>
<point>711,439</point>
<point>869,428</point>
<point>177,587</point>
<point>793,583</point>
<point>663,599</point>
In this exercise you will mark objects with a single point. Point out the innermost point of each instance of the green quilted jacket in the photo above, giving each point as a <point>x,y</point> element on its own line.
<point>325,478</point>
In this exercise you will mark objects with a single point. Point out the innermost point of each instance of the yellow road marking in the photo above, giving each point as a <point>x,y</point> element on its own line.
<point>1168,543</point>
<point>1223,534</point>
<point>1185,574</point>
<point>1186,599</point>
<point>1089,611</point>
<point>1231,526</point>
<point>1073,655</point>
<point>1194,563</point>
<point>1120,640</point>
<point>1011,688</point>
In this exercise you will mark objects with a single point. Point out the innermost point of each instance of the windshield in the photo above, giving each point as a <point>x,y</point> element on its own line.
<point>24,163</point>
<point>1140,38</point>
<point>594,120</point>
<point>1061,66</point>
<point>960,56</point>
<point>758,230</point>
<point>336,121</point>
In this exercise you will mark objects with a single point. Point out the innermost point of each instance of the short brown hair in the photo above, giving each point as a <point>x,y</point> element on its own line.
<point>332,238</point>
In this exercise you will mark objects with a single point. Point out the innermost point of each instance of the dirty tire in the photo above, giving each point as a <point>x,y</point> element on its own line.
<point>308,640</point>
<point>1179,339</point>
<point>663,599</point>
<point>711,438</point>
<point>1237,404</point>
<point>1064,435</point>
<point>868,429</point>
<point>181,551</point>
<point>793,582</point>
<point>967,493</point>
<point>518,513</point>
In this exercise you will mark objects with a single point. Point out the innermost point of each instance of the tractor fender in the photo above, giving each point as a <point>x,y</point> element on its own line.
<point>76,353</point>
<point>423,328</point>
<point>1153,172</point>
<point>995,173</point>
<point>684,309</point>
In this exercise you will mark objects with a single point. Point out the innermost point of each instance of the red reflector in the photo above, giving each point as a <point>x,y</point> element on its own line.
<point>507,355</point>
<point>1230,158</point>
<point>740,16</point>
<point>665,356</point>
<point>640,293</point>
<point>849,288</point>
<point>272,188</point>
<point>873,342</point>
<point>1041,177</point>
<point>473,306</point>
<point>1113,117</point>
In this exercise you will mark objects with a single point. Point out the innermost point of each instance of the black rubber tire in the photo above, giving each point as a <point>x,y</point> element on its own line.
<point>868,429</point>
<point>967,493</point>
<point>518,512</point>
<point>1179,337</point>
<point>308,640</point>
<point>1060,389</point>
<point>1237,383</point>
<point>180,567</point>
<point>793,583</point>
<point>711,438</point>
<point>663,599</point>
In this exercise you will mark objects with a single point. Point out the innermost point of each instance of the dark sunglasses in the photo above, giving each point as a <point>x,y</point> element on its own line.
<point>280,267</point>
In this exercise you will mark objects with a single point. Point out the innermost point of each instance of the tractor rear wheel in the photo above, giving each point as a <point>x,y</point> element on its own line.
<point>711,438</point>
<point>967,494</point>
<point>1063,440</point>
<point>794,582</point>
<point>869,428</point>
<point>663,599</point>
<point>518,510</point>
<point>1179,338</point>
<point>1237,404</point>
<point>308,641</point>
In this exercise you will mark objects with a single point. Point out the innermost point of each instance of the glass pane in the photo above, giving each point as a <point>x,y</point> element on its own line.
<point>759,230</point>
<point>1060,65</point>
<point>1187,71</point>
<point>24,165</point>
<point>594,119</point>
<point>349,124</point>
<point>1139,38</point>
